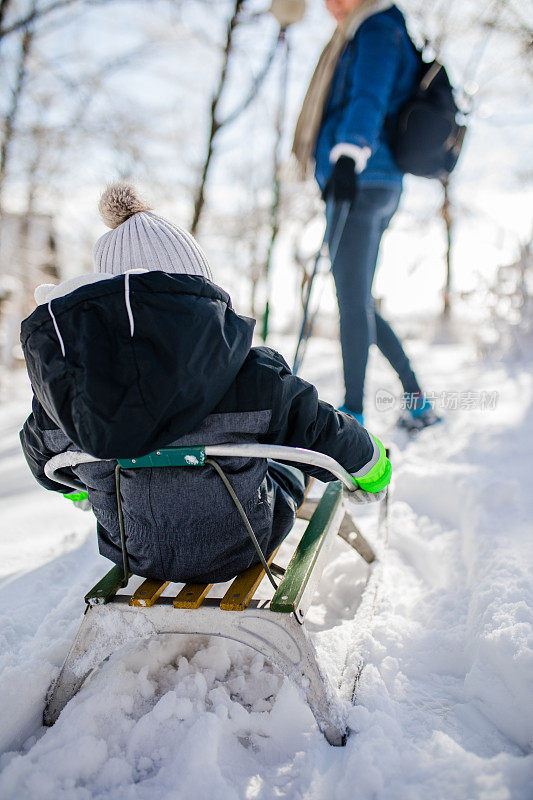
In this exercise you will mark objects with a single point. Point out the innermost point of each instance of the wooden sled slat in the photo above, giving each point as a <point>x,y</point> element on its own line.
<point>307,509</point>
<point>242,589</point>
<point>148,592</point>
<point>107,587</point>
<point>192,595</point>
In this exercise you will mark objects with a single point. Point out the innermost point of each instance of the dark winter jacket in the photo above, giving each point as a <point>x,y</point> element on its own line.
<point>167,361</point>
<point>375,76</point>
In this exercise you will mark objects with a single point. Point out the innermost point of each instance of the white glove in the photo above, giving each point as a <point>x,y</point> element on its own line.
<point>360,155</point>
<point>361,497</point>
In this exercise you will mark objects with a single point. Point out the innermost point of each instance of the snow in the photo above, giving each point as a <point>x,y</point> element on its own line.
<point>444,704</point>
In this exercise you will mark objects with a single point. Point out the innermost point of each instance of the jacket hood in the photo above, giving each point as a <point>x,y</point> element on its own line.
<point>129,364</point>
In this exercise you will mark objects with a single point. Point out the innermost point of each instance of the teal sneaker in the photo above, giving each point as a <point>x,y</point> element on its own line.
<point>418,414</point>
<point>359,417</point>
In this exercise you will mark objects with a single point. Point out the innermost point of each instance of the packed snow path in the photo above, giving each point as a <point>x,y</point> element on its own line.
<point>445,701</point>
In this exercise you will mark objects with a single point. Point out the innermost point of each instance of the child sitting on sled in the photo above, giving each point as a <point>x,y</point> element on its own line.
<point>147,352</point>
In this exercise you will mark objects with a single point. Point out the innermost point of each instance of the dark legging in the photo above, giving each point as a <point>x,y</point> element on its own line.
<point>353,271</point>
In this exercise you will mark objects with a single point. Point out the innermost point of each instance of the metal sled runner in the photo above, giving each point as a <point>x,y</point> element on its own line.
<point>275,628</point>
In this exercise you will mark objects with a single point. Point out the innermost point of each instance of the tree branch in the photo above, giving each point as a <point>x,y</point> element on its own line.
<point>256,84</point>
<point>215,124</point>
<point>4,5</point>
<point>39,13</point>
<point>34,14</point>
<point>11,115</point>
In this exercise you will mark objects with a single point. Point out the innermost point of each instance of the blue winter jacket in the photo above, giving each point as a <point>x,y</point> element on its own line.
<point>375,75</point>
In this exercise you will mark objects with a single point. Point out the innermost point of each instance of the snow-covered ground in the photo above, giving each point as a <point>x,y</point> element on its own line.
<point>445,703</point>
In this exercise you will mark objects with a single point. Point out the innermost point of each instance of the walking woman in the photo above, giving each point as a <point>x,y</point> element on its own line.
<point>365,74</point>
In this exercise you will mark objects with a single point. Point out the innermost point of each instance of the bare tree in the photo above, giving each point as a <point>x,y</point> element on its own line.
<point>4,7</point>
<point>10,117</point>
<point>36,13</point>
<point>442,26</point>
<point>446,213</point>
<point>216,123</point>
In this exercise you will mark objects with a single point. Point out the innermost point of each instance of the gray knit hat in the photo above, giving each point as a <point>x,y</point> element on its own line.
<point>141,239</point>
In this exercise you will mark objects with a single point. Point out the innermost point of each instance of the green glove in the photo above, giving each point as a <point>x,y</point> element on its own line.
<point>378,476</point>
<point>80,499</point>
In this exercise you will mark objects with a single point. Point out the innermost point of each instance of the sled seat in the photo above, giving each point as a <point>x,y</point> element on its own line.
<point>273,627</point>
<point>288,597</point>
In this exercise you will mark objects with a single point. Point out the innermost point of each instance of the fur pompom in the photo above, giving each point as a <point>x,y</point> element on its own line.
<point>118,203</point>
<point>42,292</point>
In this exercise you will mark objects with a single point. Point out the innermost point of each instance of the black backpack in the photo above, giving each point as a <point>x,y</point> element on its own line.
<point>425,137</point>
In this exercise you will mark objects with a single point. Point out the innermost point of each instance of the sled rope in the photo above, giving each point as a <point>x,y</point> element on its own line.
<point>216,466</point>
<point>244,518</point>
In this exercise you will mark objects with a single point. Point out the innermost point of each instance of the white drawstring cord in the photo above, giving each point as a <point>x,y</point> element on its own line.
<point>127,301</point>
<point>56,328</point>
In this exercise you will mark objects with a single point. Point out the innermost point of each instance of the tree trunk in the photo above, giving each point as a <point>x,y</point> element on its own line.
<point>4,5</point>
<point>11,115</point>
<point>276,183</point>
<point>215,125</point>
<point>446,213</point>
<point>29,18</point>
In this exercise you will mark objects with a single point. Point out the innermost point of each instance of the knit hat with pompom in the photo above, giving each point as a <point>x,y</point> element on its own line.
<point>141,239</point>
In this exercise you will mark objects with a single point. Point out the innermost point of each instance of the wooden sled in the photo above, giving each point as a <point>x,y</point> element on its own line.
<point>275,628</point>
